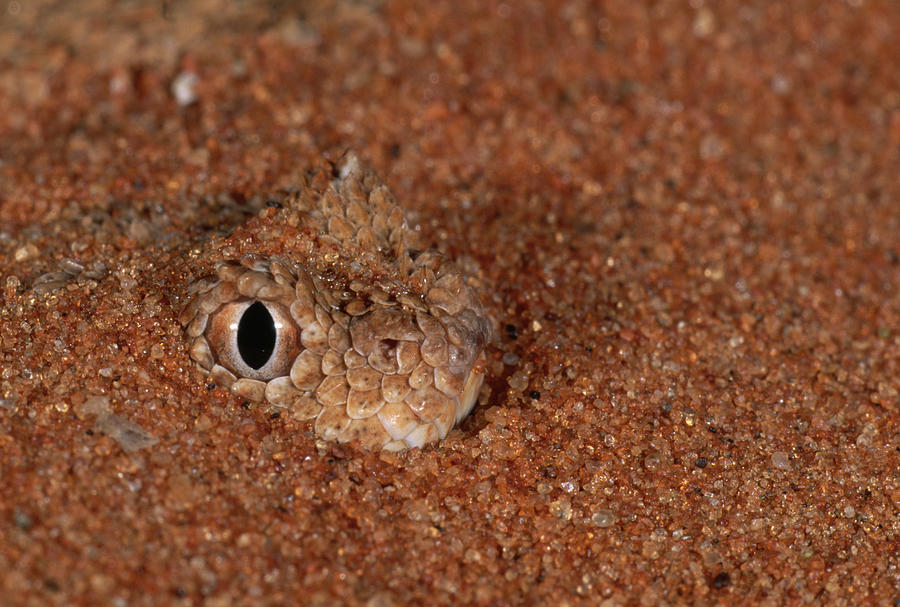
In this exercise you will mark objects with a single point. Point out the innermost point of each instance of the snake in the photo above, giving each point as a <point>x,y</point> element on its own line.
<point>355,327</point>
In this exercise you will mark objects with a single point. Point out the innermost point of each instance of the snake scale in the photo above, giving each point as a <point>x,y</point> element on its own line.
<point>375,340</point>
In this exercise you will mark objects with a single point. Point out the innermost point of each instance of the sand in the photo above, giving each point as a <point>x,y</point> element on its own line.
<point>682,217</point>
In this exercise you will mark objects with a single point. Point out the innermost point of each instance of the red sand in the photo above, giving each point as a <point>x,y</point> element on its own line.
<point>685,219</point>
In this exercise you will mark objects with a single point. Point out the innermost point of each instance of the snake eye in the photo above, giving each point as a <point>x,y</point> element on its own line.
<point>254,339</point>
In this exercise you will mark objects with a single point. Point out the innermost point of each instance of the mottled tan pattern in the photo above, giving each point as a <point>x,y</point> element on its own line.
<point>392,362</point>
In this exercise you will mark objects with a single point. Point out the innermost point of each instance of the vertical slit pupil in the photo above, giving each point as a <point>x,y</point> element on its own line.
<point>256,335</point>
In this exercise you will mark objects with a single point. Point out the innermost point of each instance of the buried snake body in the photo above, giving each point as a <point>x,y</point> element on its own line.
<point>358,330</point>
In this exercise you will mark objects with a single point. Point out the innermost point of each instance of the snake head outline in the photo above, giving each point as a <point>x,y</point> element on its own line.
<point>352,326</point>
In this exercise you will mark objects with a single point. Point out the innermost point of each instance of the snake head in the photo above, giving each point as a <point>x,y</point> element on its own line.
<point>352,326</point>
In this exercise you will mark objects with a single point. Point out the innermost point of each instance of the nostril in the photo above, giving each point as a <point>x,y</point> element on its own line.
<point>387,345</point>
